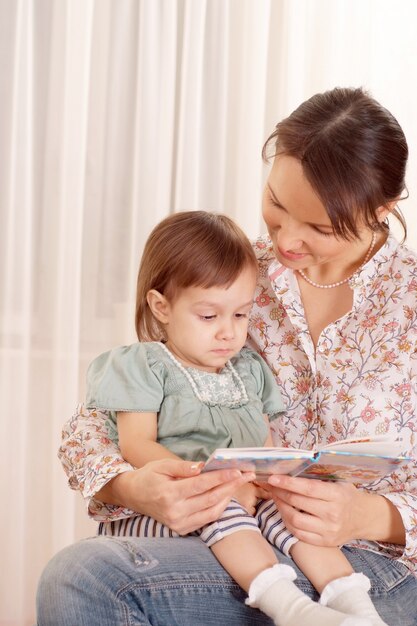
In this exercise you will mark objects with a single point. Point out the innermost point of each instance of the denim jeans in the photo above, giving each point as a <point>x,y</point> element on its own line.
<point>129,581</point>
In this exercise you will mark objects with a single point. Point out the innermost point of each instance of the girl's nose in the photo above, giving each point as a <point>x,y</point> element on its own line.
<point>226,331</point>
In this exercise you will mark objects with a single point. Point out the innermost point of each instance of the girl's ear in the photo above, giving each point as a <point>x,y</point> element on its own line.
<point>159,305</point>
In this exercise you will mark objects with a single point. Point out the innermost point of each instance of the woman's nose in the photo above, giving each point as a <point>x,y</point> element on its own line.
<point>288,239</point>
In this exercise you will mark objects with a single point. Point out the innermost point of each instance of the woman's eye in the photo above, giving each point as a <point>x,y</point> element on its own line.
<point>324,233</point>
<point>207,318</point>
<point>241,315</point>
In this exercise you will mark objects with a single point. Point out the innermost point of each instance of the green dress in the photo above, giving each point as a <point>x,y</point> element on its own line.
<point>197,411</point>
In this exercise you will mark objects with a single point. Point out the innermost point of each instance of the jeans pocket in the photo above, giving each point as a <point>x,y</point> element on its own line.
<point>385,573</point>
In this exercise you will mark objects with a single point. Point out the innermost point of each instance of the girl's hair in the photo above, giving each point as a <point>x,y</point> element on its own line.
<point>188,249</point>
<point>353,153</point>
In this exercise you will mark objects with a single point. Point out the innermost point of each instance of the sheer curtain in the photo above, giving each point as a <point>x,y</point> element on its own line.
<point>115,113</point>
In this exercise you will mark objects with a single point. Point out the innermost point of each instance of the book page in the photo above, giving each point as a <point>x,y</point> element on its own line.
<point>332,465</point>
<point>379,446</point>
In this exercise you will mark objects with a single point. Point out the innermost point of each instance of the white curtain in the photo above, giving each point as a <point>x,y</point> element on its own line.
<point>113,114</point>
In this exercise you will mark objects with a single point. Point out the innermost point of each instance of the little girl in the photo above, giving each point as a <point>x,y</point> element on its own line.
<point>189,387</point>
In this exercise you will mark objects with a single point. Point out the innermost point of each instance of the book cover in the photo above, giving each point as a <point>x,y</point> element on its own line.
<point>360,460</point>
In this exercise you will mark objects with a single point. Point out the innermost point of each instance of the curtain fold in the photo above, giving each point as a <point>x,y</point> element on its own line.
<point>115,113</point>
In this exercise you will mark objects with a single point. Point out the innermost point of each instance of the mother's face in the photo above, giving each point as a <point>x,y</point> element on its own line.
<point>298,224</point>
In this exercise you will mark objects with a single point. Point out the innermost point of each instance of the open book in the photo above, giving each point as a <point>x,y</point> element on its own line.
<point>356,460</point>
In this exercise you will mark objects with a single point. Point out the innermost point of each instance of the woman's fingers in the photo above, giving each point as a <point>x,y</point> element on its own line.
<point>189,503</point>
<point>313,488</point>
<point>188,523</point>
<point>315,511</point>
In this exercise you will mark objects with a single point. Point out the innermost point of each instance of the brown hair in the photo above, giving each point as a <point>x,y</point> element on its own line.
<point>188,249</point>
<point>353,153</point>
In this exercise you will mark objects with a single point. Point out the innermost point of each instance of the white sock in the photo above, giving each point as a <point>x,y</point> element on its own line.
<point>274,592</point>
<point>350,596</point>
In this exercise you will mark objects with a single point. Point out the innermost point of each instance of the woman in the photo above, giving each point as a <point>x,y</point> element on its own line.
<point>335,317</point>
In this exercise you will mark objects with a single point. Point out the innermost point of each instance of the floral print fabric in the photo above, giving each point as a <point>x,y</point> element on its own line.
<point>362,377</point>
<point>360,380</point>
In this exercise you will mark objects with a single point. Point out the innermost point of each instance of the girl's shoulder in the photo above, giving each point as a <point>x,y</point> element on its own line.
<point>116,378</point>
<point>133,356</point>
<point>256,373</point>
<point>251,361</point>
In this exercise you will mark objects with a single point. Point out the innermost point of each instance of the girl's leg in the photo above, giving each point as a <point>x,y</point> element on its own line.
<point>106,581</point>
<point>332,575</point>
<point>245,554</point>
<point>327,568</point>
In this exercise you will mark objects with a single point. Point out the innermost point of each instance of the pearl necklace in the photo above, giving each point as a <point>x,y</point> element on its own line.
<point>342,282</point>
<point>243,393</point>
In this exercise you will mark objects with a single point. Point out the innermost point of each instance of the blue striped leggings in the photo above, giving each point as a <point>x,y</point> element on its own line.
<point>267,520</point>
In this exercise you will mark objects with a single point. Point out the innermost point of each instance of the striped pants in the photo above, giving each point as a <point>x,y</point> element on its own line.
<point>267,520</point>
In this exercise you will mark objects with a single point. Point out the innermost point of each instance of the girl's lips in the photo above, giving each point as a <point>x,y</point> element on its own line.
<point>223,350</point>
<point>291,256</point>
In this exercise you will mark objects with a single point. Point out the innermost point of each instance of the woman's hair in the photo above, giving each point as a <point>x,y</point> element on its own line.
<point>188,249</point>
<point>353,153</point>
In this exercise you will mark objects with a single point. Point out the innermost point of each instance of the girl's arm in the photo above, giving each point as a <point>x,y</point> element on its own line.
<point>137,438</point>
<point>249,495</point>
<point>173,492</point>
<point>268,441</point>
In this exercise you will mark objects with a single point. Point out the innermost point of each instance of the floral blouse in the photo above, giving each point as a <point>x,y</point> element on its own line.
<point>360,380</point>
<point>362,377</point>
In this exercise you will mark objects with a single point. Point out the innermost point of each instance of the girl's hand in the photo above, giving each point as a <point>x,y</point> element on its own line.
<point>325,513</point>
<point>248,496</point>
<point>175,492</point>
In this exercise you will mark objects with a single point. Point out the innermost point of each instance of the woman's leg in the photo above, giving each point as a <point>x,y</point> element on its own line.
<point>109,581</point>
<point>393,588</point>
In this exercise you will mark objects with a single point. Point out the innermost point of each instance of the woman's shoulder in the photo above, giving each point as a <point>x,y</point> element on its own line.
<point>399,252</point>
<point>263,249</point>
<point>397,263</point>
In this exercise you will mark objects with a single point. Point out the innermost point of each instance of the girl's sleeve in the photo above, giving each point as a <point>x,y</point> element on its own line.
<point>90,459</point>
<point>124,380</point>
<point>267,387</point>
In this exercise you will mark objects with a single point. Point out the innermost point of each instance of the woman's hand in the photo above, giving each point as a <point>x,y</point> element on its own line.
<point>331,514</point>
<point>175,492</point>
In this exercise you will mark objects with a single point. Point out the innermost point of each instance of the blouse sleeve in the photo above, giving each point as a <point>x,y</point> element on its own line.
<point>90,459</point>
<point>405,500</point>
<point>267,387</point>
<point>124,380</point>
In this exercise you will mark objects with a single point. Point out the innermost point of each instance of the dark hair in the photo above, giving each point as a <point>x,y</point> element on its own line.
<point>189,249</point>
<point>353,153</point>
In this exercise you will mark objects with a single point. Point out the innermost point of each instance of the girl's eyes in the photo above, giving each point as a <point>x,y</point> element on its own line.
<point>209,318</point>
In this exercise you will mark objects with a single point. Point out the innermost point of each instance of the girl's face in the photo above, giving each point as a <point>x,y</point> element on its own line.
<point>298,223</point>
<point>206,327</point>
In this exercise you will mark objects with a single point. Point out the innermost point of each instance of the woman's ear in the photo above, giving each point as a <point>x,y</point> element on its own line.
<point>159,305</point>
<point>384,210</point>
